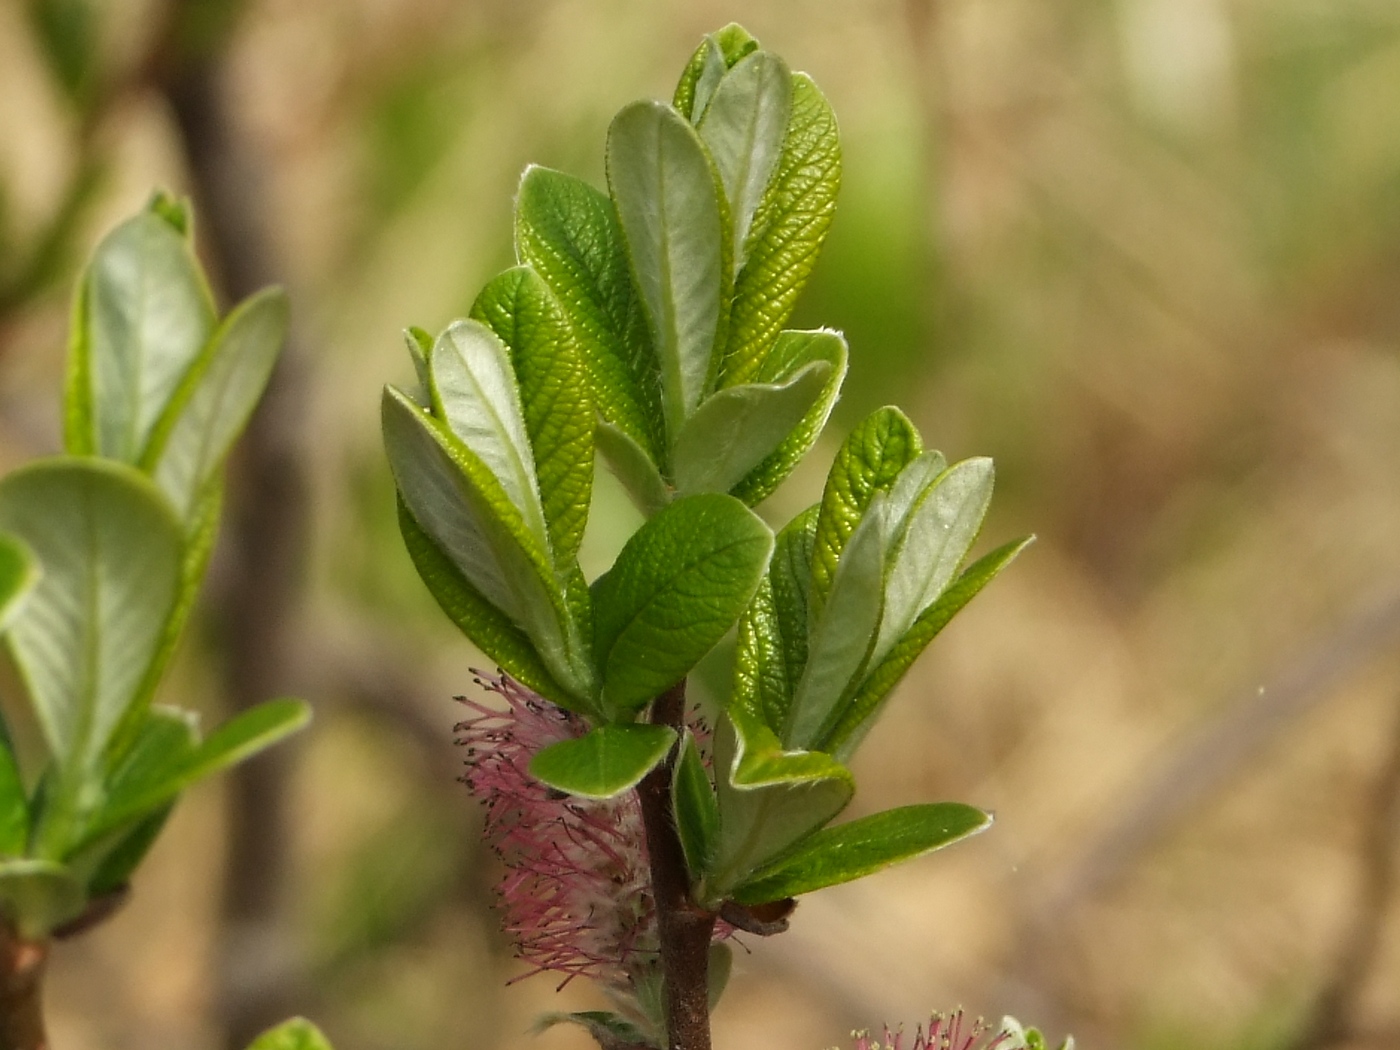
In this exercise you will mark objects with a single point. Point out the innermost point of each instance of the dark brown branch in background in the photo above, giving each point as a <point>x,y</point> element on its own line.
<point>684,928</point>
<point>262,566</point>
<point>1334,1016</point>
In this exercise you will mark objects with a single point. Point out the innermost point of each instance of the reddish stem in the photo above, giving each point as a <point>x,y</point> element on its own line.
<point>684,928</point>
<point>22,964</point>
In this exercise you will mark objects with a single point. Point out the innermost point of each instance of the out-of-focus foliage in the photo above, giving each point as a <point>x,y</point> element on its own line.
<point>1142,252</point>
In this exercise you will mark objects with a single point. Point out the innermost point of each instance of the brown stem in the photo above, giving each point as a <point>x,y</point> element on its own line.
<point>684,928</point>
<point>22,965</point>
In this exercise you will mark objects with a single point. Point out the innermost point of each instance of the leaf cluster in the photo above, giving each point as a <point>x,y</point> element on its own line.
<point>645,324</point>
<point>102,551</point>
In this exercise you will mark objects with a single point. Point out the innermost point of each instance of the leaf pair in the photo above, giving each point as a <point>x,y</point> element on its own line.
<point>857,587</point>
<point>716,211</point>
<point>494,464</point>
<point>101,554</point>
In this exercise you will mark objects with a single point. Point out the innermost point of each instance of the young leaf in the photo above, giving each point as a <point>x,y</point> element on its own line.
<point>109,548</point>
<point>859,714</point>
<point>119,863</point>
<point>699,80</point>
<point>870,460</point>
<point>737,428</point>
<point>721,966</point>
<point>519,308</point>
<point>214,400</point>
<point>488,628</point>
<point>787,232</point>
<point>862,847</point>
<point>769,799</point>
<point>678,585</point>
<point>793,352</point>
<point>939,527</point>
<point>743,125</point>
<point>569,234</point>
<point>475,393</point>
<point>674,218</point>
<point>18,575</point>
<point>296,1034</point>
<point>142,315</point>
<point>38,895</point>
<point>839,644</point>
<point>153,784</point>
<point>633,468</point>
<point>606,762</point>
<point>459,504</point>
<point>696,808</point>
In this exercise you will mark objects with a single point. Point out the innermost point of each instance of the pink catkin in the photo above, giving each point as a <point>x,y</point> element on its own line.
<point>576,895</point>
<point>952,1031</point>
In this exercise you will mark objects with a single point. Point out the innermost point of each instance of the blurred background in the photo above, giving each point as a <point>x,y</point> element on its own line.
<point>1145,253</point>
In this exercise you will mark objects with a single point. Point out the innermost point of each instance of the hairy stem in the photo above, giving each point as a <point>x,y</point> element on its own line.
<point>685,929</point>
<point>22,965</point>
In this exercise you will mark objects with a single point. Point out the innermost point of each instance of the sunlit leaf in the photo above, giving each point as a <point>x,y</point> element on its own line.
<point>678,585</point>
<point>674,219</point>
<point>862,847</point>
<point>142,316</point>
<point>605,762</point>
<point>554,395</point>
<point>296,1034</point>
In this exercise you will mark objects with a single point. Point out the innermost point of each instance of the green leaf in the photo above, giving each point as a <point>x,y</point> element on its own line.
<point>840,643</point>
<point>38,895</point>
<point>569,234</point>
<point>769,799</point>
<point>869,461</point>
<point>792,352</point>
<point>119,863</point>
<point>18,575</point>
<point>296,1034</point>
<point>420,348</point>
<point>633,468</point>
<point>674,219</point>
<point>519,308</point>
<point>939,527</point>
<point>475,393</point>
<point>609,1030</point>
<point>461,506</point>
<point>736,429</point>
<point>862,847</point>
<point>151,781</point>
<point>206,414</point>
<point>701,76</point>
<point>696,808</point>
<point>606,762</point>
<point>142,316</point>
<point>743,126</point>
<point>488,628</point>
<point>69,32</point>
<point>859,714</point>
<point>717,975</point>
<point>678,585</point>
<point>109,547</point>
<point>787,232</point>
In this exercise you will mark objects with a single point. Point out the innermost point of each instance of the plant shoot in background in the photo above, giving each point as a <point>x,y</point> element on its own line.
<point>646,325</point>
<point>102,551</point>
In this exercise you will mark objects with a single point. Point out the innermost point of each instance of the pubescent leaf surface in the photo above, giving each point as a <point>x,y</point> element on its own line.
<point>862,847</point>
<point>736,429</point>
<point>18,574</point>
<point>208,411</point>
<point>143,313</point>
<point>605,762</point>
<point>744,122</point>
<point>678,585</point>
<point>109,548</point>
<point>554,396</point>
<point>675,222</point>
<point>695,806</point>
